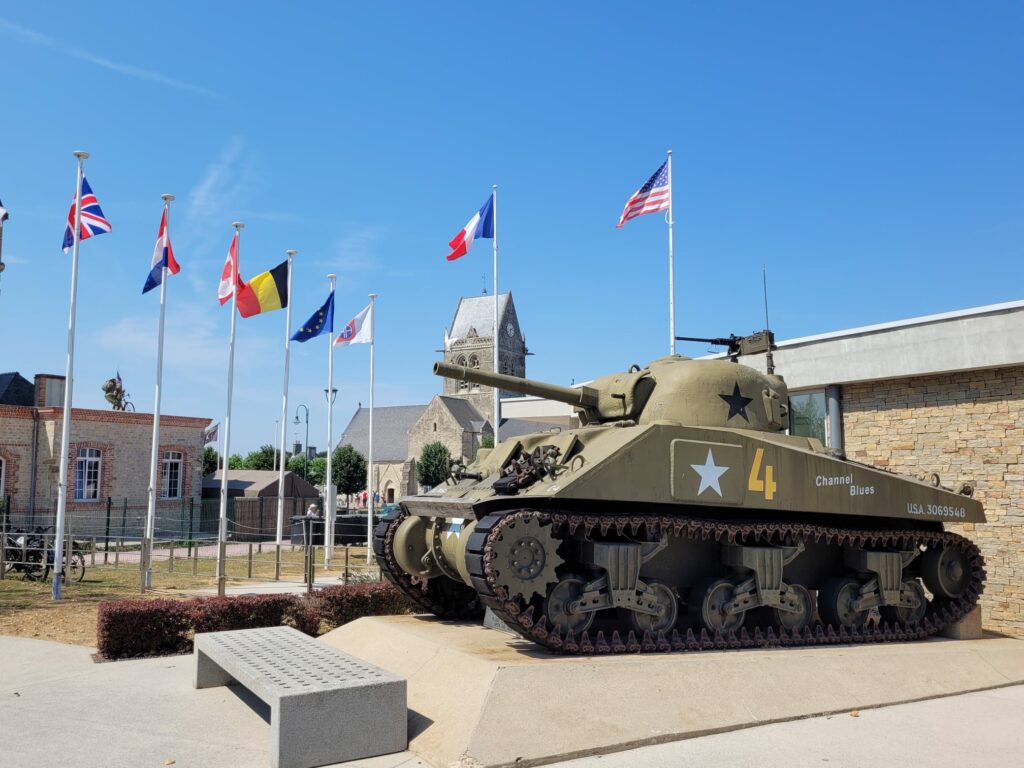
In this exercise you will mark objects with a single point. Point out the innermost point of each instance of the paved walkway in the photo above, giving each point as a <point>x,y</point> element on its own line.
<point>59,708</point>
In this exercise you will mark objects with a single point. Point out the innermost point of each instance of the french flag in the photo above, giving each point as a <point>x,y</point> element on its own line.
<point>481,225</point>
<point>163,256</point>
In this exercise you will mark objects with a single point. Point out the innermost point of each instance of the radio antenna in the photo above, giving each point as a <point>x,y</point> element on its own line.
<point>768,359</point>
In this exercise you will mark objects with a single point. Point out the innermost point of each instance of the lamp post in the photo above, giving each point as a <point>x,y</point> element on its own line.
<point>305,445</point>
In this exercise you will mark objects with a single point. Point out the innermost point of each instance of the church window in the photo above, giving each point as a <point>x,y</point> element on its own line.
<point>474,361</point>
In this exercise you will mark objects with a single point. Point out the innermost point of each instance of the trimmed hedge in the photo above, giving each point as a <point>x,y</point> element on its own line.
<point>128,629</point>
<point>339,605</point>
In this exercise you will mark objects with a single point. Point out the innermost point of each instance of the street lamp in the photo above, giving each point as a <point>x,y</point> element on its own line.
<point>305,446</point>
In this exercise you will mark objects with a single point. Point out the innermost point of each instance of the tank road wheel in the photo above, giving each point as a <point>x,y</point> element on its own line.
<point>558,606</point>
<point>800,598</point>
<point>907,615</point>
<point>526,557</point>
<point>835,603</point>
<point>712,597</point>
<point>668,605</point>
<point>945,571</point>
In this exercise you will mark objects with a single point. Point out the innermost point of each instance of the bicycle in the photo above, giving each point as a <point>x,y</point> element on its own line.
<point>74,562</point>
<point>23,552</point>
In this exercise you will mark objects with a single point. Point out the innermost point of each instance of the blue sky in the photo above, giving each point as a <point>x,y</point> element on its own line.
<point>870,156</point>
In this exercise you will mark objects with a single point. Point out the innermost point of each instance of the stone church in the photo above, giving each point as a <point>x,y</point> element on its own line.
<point>463,415</point>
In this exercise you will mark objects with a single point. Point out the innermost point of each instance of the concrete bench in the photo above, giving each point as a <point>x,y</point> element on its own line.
<point>325,706</point>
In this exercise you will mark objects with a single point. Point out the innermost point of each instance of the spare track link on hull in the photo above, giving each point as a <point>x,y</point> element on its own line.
<point>442,597</point>
<point>520,617</point>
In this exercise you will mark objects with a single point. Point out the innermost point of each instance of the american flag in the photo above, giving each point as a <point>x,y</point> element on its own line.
<point>93,221</point>
<point>653,196</point>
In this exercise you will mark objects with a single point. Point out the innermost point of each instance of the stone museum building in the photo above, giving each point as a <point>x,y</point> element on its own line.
<point>110,452</point>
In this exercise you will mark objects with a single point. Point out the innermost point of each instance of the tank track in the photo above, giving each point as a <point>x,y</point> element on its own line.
<point>442,596</point>
<point>941,612</point>
<point>520,617</point>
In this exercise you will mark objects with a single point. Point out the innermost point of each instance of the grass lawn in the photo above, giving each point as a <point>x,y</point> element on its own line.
<point>27,609</point>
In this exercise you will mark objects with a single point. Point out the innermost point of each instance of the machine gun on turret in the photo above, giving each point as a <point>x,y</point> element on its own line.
<point>754,344</point>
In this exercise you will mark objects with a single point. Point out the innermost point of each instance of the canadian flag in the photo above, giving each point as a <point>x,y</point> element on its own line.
<point>227,286</point>
<point>481,225</point>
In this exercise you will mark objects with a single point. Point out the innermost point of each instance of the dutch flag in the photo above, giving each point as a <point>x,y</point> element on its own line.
<point>163,256</point>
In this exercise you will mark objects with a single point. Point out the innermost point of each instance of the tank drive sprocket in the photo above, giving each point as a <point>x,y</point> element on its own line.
<point>525,558</point>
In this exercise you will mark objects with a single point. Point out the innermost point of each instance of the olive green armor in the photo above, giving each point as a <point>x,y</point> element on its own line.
<point>680,515</point>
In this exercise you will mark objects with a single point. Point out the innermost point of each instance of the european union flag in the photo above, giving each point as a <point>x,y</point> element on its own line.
<point>322,321</point>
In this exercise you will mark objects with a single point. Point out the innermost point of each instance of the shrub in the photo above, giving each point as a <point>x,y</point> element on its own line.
<point>219,614</point>
<point>340,605</point>
<point>135,628</point>
<point>132,628</point>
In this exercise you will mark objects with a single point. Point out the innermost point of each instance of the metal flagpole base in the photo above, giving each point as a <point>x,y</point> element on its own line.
<point>277,562</point>
<point>145,565</point>
<point>222,563</point>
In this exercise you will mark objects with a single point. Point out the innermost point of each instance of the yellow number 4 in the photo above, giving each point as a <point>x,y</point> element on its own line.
<point>755,483</point>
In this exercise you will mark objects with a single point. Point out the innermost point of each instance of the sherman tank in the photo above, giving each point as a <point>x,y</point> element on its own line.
<point>680,516</point>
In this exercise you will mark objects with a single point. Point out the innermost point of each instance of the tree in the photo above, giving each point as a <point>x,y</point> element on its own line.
<point>298,464</point>
<point>349,469</point>
<point>263,458</point>
<point>434,464</point>
<point>236,462</point>
<point>317,470</point>
<point>211,460</point>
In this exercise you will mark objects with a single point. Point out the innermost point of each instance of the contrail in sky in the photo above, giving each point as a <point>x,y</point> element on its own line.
<point>36,38</point>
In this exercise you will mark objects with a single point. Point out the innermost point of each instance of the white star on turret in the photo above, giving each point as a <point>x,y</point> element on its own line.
<point>709,473</point>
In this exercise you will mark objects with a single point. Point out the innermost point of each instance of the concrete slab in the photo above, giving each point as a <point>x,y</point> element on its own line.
<point>482,698</point>
<point>57,707</point>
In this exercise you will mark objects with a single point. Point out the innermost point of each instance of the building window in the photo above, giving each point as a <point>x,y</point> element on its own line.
<point>807,415</point>
<point>170,475</point>
<point>87,474</point>
<point>474,361</point>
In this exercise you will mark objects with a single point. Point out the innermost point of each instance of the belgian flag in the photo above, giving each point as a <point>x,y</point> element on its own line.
<point>265,292</point>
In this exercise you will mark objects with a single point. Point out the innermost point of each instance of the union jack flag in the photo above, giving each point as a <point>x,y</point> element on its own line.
<point>93,221</point>
<point>655,195</point>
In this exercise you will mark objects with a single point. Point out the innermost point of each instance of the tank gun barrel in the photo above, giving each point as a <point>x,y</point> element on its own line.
<point>582,397</point>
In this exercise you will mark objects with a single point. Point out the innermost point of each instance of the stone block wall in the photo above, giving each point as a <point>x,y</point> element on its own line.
<point>967,427</point>
<point>437,425</point>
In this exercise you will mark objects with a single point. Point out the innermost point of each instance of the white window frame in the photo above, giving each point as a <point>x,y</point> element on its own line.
<point>85,457</point>
<point>167,458</point>
<point>3,478</point>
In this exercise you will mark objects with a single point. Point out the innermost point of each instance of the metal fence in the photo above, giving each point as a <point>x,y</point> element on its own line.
<point>185,540</point>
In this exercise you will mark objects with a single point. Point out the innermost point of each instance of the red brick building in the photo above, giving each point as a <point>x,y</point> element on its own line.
<point>109,452</point>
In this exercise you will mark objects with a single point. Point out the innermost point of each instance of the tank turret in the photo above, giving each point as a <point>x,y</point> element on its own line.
<point>706,393</point>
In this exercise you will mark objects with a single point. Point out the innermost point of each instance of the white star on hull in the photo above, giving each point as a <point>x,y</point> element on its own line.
<point>709,474</point>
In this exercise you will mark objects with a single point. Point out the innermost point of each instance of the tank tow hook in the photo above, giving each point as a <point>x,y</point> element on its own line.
<point>760,569</point>
<point>620,585</point>
<point>885,586</point>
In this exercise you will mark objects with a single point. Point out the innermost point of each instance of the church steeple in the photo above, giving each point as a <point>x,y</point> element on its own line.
<point>470,342</point>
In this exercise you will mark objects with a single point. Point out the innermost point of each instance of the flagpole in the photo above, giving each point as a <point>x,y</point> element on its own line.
<point>671,268</point>
<point>497,331</point>
<point>330,495</point>
<point>284,421</point>
<point>154,456</point>
<point>69,372</point>
<point>369,461</point>
<point>222,528</point>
